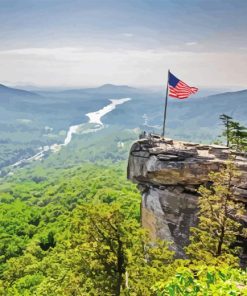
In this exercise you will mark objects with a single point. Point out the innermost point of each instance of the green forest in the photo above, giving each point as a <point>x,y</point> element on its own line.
<point>76,231</point>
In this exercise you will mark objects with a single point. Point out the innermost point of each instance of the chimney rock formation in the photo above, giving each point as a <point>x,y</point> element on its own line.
<point>168,174</point>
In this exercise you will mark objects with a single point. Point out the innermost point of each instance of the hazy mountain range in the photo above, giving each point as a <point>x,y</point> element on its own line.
<point>29,120</point>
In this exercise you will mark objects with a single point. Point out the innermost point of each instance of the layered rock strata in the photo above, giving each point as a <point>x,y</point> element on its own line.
<point>168,174</point>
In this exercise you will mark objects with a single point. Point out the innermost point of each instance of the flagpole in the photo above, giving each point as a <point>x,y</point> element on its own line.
<point>164,122</point>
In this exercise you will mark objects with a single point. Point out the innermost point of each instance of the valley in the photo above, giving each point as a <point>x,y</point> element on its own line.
<point>94,124</point>
<point>32,124</point>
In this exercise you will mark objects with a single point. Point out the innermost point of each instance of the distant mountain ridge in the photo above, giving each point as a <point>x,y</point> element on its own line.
<point>103,89</point>
<point>239,93</point>
<point>5,90</point>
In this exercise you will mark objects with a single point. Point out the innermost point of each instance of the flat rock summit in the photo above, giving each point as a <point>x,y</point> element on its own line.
<point>168,174</point>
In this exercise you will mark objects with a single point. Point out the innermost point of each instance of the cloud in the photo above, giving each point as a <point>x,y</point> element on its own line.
<point>63,53</point>
<point>128,34</point>
<point>85,66</point>
<point>191,43</point>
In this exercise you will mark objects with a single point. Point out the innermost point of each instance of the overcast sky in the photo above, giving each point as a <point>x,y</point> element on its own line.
<point>74,43</point>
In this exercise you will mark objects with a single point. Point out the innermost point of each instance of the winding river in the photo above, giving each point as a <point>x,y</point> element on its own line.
<point>94,124</point>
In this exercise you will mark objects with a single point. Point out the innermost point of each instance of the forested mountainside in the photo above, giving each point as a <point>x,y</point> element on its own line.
<point>39,211</point>
<point>77,231</point>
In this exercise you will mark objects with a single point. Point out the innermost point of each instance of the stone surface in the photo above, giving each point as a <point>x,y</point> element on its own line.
<point>168,174</point>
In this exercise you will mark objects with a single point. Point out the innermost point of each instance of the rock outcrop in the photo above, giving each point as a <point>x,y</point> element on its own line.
<point>168,174</point>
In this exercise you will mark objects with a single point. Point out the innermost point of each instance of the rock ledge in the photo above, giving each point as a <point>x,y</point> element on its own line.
<point>168,174</point>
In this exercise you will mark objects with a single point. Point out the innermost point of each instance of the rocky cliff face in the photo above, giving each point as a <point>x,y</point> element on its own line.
<point>168,174</point>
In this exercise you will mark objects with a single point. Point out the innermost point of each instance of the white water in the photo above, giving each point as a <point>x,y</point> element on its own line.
<point>72,130</point>
<point>94,118</point>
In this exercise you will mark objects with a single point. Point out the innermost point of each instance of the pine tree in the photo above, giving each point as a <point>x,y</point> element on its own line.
<point>235,133</point>
<point>238,136</point>
<point>226,121</point>
<point>213,239</point>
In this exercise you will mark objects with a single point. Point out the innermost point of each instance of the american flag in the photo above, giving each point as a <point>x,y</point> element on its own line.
<point>178,89</point>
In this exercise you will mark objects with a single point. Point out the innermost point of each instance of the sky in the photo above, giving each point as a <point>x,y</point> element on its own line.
<point>77,43</point>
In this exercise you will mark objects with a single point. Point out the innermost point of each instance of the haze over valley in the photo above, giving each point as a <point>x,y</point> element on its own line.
<point>33,124</point>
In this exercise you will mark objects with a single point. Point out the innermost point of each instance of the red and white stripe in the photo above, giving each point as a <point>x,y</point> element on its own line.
<point>182,90</point>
